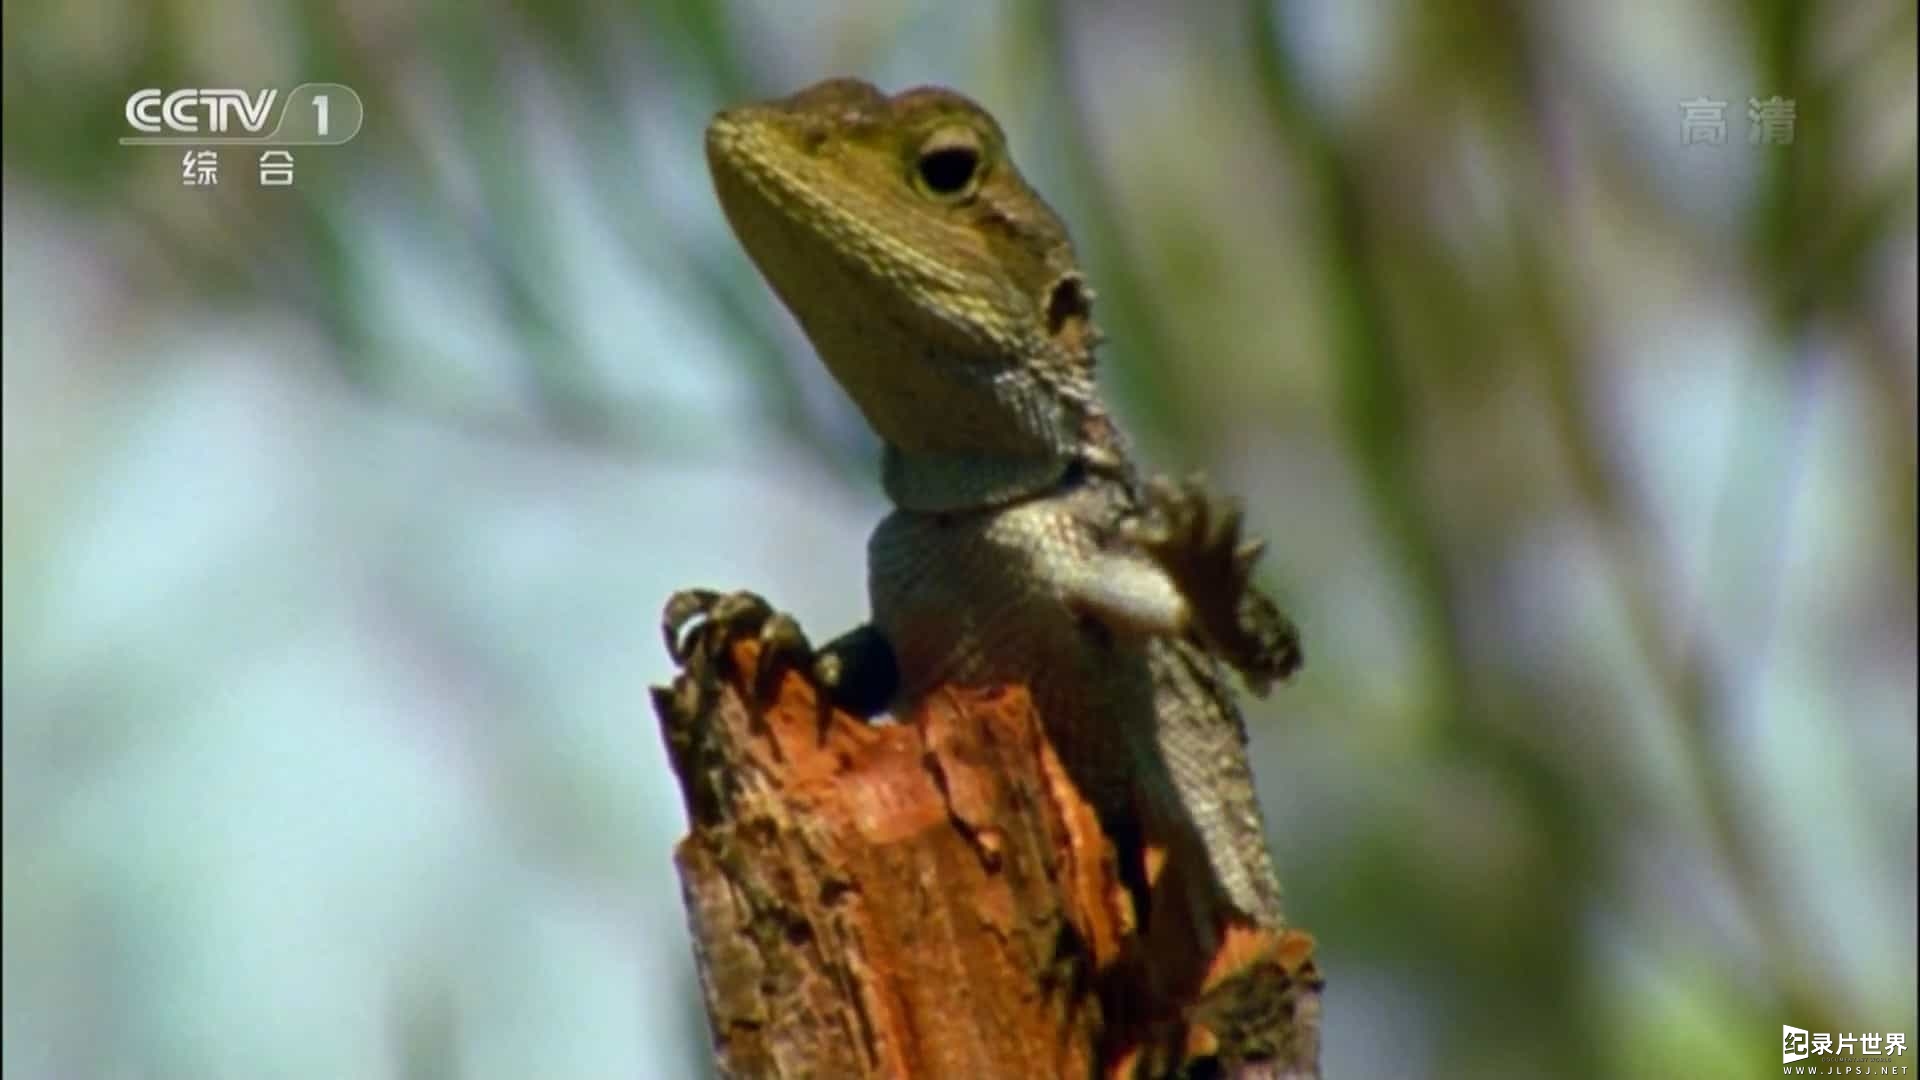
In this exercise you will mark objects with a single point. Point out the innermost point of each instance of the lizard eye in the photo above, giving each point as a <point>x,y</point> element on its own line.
<point>949,165</point>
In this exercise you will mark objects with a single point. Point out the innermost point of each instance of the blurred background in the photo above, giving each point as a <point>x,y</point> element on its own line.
<point>1565,351</point>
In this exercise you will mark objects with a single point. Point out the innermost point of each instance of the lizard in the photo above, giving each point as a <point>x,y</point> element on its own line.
<point>1024,545</point>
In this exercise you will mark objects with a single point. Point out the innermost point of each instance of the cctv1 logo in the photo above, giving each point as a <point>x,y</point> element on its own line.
<point>313,114</point>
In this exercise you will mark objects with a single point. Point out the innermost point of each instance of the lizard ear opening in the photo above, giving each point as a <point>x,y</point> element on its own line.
<point>1070,311</point>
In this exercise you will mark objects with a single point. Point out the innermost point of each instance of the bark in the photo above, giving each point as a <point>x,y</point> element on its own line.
<point>934,899</point>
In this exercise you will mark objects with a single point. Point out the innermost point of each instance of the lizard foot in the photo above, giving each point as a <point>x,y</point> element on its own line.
<point>855,671</point>
<point>1262,1017</point>
<point>701,626</point>
<point>1196,537</point>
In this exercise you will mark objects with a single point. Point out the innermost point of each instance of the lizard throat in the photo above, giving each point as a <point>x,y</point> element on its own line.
<point>953,483</point>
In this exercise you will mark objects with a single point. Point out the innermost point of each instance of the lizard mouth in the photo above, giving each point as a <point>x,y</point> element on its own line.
<point>803,210</point>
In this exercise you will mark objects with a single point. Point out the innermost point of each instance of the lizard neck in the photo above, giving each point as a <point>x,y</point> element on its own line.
<point>951,482</point>
<point>941,483</point>
<point>968,430</point>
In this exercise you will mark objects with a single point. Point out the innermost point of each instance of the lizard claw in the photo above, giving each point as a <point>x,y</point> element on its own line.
<point>783,646</point>
<point>1195,536</point>
<point>682,608</point>
<point>701,625</point>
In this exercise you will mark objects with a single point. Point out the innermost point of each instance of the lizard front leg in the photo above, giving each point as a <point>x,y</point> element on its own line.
<point>855,672</point>
<point>1195,538</point>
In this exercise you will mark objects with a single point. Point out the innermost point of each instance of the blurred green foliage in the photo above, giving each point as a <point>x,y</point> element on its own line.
<point>337,517</point>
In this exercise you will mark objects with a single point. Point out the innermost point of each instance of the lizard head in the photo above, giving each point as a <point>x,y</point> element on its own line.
<point>924,269</point>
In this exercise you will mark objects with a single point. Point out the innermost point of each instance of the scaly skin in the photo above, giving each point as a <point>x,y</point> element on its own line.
<point>944,296</point>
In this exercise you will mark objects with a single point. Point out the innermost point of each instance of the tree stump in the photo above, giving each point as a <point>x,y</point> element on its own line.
<point>933,898</point>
